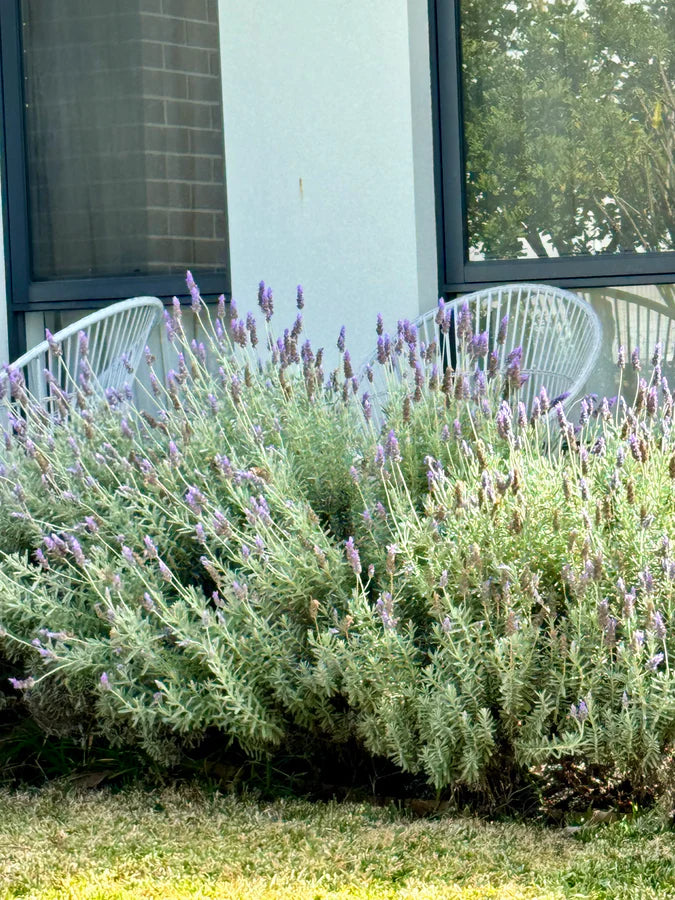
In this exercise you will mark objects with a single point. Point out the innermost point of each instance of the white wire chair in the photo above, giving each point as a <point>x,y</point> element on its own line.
<point>116,336</point>
<point>641,323</point>
<point>559,333</point>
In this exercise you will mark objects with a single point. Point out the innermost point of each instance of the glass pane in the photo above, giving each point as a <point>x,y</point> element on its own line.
<point>569,116</point>
<point>123,137</point>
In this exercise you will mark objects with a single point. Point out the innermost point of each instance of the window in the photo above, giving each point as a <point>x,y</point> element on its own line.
<point>557,141</point>
<point>114,149</point>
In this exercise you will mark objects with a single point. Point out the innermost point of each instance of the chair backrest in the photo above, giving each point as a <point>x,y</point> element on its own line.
<point>559,333</point>
<point>116,336</point>
<point>641,323</point>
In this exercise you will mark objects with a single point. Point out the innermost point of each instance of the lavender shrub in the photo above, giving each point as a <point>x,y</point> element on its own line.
<point>466,586</point>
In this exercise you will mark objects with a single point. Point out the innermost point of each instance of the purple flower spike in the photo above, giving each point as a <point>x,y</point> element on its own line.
<point>128,554</point>
<point>479,345</point>
<point>194,292</point>
<point>560,398</point>
<point>300,297</point>
<point>501,334</point>
<point>391,447</point>
<point>53,345</point>
<point>659,626</point>
<point>341,340</point>
<point>464,323</point>
<point>105,681</point>
<point>579,711</point>
<point>652,664</point>
<point>504,417</point>
<point>353,556</point>
<point>266,301</point>
<point>658,354</point>
<point>385,608</point>
<point>22,684</point>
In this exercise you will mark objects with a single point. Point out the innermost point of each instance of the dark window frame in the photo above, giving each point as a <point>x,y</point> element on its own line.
<point>23,293</point>
<point>456,273</point>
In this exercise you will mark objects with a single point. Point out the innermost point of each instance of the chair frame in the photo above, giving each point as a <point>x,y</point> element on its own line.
<point>109,342</point>
<point>489,305</point>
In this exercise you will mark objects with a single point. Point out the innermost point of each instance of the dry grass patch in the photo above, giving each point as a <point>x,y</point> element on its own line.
<point>187,844</point>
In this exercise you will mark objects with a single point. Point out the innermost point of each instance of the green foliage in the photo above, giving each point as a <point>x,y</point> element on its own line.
<point>470,589</point>
<point>569,121</point>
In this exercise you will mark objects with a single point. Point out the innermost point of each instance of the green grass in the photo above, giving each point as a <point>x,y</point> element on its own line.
<point>187,844</point>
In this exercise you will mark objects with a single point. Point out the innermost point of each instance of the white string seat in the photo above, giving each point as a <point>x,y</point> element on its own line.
<point>559,333</point>
<point>117,336</point>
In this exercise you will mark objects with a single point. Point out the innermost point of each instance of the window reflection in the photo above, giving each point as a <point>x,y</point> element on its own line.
<point>569,117</point>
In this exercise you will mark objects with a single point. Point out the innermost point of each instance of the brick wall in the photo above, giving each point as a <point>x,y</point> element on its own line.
<point>124,133</point>
<point>183,134</point>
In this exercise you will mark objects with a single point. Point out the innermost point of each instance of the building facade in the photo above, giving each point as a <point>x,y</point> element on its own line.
<point>372,151</point>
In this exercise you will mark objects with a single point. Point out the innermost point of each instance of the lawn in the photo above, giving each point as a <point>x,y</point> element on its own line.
<point>186,844</point>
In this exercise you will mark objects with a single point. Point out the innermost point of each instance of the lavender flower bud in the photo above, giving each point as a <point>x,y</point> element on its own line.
<point>658,626</point>
<point>479,345</point>
<point>492,366</point>
<point>385,608</point>
<point>637,640</point>
<point>128,554</point>
<point>353,556</point>
<point>579,712</point>
<point>390,564</point>
<point>503,420</point>
<point>391,447</point>
<point>647,581</point>
<point>380,511</point>
<point>464,323</point>
<point>22,684</point>
<point>652,664</point>
<point>522,415</point>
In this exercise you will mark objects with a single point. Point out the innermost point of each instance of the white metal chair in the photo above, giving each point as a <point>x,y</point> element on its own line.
<point>116,338</point>
<point>559,333</point>
<point>641,322</point>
